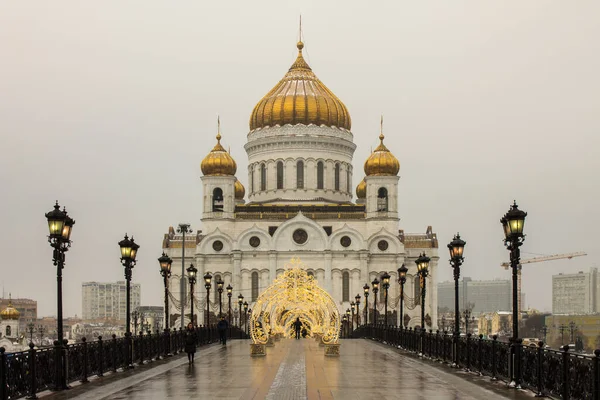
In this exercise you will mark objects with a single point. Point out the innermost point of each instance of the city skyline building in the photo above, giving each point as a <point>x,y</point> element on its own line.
<point>484,296</point>
<point>576,293</point>
<point>108,300</point>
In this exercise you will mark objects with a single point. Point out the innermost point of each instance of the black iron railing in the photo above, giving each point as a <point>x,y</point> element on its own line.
<point>29,372</point>
<point>556,373</point>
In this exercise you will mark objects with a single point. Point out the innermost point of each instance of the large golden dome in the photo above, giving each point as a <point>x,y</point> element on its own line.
<point>239,190</point>
<point>218,161</point>
<point>300,98</point>
<point>10,312</point>
<point>361,190</point>
<point>382,161</point>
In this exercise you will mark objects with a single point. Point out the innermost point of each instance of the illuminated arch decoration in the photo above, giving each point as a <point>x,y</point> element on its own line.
<point>295,294</point>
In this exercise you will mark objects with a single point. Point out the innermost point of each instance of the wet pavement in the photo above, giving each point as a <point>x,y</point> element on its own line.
<point>295,369</point>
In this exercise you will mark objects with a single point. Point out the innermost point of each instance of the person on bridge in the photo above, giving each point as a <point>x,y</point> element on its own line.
<point>297,327</point>
<point>190,342</point>
<point>222,328</point>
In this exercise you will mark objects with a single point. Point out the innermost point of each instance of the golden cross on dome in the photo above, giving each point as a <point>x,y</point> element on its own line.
<point>381,129</point>
<point>218,128</point>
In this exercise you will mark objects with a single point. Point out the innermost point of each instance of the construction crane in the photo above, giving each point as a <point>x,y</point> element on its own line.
<point>506,265</point>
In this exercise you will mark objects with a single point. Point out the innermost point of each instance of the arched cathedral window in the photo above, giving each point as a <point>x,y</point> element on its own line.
<point>337,176</point>
<point>217,200</point>
<point>263,177</point>
<point>300,174</point>
<point>254,286</point>
<point>280,175</point>
<point>320,175</point>
<point>348,181</point>
<point>346,286</point>
<point>382,199</point>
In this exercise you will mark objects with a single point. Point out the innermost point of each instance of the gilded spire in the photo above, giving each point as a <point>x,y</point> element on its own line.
<point>218,161</point>
<point>300,98</point>
<point>381,161</point>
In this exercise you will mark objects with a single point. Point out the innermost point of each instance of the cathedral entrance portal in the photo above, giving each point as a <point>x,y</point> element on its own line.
<point>292,295</point>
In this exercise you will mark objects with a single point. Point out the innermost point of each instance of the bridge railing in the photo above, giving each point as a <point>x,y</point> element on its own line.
<point>29,372</point>
<point>556,373</point>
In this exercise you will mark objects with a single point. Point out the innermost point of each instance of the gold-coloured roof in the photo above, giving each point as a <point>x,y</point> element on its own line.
<point>218,161</point>
<point>239,190</point>
<point>10,312</point>
<point>300,98</point>
<point>361,190</point>
<point>382,161</point>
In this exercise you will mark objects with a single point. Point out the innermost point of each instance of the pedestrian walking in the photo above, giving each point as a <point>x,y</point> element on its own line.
<point>297,327</point>
<point>190,342</point>
<point>222,328</point>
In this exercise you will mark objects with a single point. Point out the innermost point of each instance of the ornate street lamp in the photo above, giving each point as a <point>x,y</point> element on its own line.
<point>240,304</point>
<point>207,285</point>
<point>229,294</point>
<point>246,317</point>
<point>375,285</point>
<point>422,269</point>
<point>353,308</point>
<point>165,271</point>
<point>135,315</point>
<point>192,276</point>
<point>344,325</point>
<point>366,292</point>
<point>456,248</point>
<point>128,253</point>
<point>512,224</point>
<point>357,298</point>
<point>348,322</point>
<point>467,315</point>
<point>60,226</point>
<point>183,229</point>
<point>402,280</point>
<point>220,284</point>
<point>385,281</point>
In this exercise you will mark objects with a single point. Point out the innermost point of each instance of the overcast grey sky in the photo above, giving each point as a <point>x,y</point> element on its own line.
<point>110,106</point>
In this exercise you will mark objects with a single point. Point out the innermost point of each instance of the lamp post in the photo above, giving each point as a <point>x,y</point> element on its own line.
<point>402,280</point>
<point>348,322</point>
<point>220,284</point>
<point>353,308</point>
<point>165,271</point>
<point>422,269</point>
<point>544,331</point>
<point>375,285</point>
<point>207,285</point>
<point>246,317</point>
<point>366,292</point>
<point>229,294</point>
<point>357,298</point>
<point>129,251</point>
<point>385,281</point>
<point>512,224</point>
<point>192,276</point>
<point>467,315</point>
<point>183,229</point>
<point>572,328</point>
<point>60,226</point>
<point>344,326</point>
<point>30,328</point>
<point>240,304</point>
<point>562,328</point>
<point>456,248</point>
<point>41,330</point>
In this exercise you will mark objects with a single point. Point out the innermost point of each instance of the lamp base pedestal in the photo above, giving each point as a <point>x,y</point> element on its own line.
<point>258,350</point>
<point>332,350</point>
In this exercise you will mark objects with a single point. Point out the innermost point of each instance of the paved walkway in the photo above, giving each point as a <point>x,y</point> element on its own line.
<point>296,369</point>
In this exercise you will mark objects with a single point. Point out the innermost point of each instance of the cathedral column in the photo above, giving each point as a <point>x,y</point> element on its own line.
<point>236,277</point>
<point>328,285</point>
<point>272,266</point>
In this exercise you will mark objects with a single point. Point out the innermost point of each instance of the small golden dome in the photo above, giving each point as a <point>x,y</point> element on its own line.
<point>239,190</point>
<point>300,98</point>
<point>10,312</point>
<point>218,161</point>
<point>382,161</point>
<point>361,190</point>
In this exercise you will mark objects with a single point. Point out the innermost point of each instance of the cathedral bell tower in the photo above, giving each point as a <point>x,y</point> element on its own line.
<point>379,189</point>
<point>222,191</point>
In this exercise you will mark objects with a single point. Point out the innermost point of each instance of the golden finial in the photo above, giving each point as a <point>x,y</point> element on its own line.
<point>381,129</point>
<point>218,129</point>
<point>300,45</point>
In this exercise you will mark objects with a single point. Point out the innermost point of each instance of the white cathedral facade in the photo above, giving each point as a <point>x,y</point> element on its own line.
<point>300,204</point>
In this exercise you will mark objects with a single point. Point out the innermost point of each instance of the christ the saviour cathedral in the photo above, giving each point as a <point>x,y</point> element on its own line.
<point>299,204</point>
